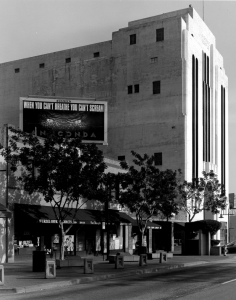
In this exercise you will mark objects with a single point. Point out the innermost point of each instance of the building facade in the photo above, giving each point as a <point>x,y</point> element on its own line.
<point>165,84</point>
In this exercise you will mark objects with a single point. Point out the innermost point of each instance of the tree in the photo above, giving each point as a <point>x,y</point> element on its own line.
<point>205,193</point>
<point>147,191</point>
<point>63,170</point>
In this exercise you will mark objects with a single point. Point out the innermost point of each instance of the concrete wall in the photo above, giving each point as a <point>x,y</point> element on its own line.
<point>232,228</point>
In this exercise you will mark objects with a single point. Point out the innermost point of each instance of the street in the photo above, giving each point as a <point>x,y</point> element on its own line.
<point>210,281</point>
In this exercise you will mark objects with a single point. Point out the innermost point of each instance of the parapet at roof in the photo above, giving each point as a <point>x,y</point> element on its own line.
<point>172,14</point>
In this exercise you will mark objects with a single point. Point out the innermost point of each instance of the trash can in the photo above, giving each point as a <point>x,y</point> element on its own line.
<point>39,261</point>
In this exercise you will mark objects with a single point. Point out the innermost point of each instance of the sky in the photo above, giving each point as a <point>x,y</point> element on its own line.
<point>34,27</point>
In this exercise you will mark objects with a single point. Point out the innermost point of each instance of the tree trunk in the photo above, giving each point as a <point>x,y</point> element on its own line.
<point>142,238</point>
<point>62,248</point>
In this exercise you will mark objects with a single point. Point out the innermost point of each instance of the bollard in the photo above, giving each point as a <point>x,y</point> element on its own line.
<point>163,257</point>
<point>50,269</point>
<point>88,266</point>
<point>1,275</point>
<point>143,260</point>
<point>119,262</point>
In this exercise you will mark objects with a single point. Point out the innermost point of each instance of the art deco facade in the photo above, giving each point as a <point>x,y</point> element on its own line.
<point>165,84</point>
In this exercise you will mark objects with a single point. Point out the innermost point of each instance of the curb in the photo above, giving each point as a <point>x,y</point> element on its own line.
<point>66,283</point>
<point>76,281</point>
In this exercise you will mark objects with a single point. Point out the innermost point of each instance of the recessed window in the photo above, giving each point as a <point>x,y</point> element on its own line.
<point>68,60</point>
<point>154,59</point>
<point>121,158</point>
<point>156,87</point>
<point>130,89</point>
<point>132,39</point>
<point>136,88</point>
<point>17,70</point>
<point>158,159</point>
<point>160,34</point>
<point>41,66</point>
<point>96,54</point>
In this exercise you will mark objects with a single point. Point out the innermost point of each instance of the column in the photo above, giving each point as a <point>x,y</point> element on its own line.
<point>41,243</point>
<point>130,240</point>
<point>172,247</point>
<point>126,239</point>
<point>149,240</point>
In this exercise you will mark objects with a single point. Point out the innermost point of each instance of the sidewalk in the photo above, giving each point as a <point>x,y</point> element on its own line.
<point>19,277</point>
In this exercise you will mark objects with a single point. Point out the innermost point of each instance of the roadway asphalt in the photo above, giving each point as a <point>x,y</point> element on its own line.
<point>19,277</point>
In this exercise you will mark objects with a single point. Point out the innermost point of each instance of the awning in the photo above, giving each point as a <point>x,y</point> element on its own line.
<point>45,214</point>
<point>134,222</point>
<point>4,212</point>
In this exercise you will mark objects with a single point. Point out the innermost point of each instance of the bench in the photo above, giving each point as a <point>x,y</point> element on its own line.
<point>127,258</point>
<point>70,261</point>
<point>157,255</point>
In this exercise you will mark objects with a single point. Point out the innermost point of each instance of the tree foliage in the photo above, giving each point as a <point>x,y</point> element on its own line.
<point>147,191</point>
<point>63,170</point>
<point>205,193</point>
<point>211,226</point>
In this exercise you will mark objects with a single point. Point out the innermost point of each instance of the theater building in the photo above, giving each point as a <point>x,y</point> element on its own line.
<point>165,86</point>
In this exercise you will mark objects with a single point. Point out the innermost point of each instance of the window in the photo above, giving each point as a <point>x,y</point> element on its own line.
<point>158,159</point>
<point>96,54</point>
<point>121,158</point>
<point>41,66</point>
<point>68,60</point>
<point>132,39</point>
<point>160,34</point>
<point>156,86</point>
<point>136,88</point>
<point>130,89</point>
<point>154,59</point>
<point>17,70</point>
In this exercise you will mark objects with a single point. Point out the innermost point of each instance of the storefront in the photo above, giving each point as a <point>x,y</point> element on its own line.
<point>36,225</point>
<point>5,214</point>
<point>152,230</point>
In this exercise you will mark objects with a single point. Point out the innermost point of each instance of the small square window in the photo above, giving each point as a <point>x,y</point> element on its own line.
<point>96,54</point>
<point>17,70</point>
<point>136,88</point>
<point>160,34</point>
<point>132,39</point>
<point>156,87</point>
<point>158,159</point>
<point>130,89</point>
<point>121,158</point>
<point>68,60</point>
<point>41,66</point>
<point>154,59</point>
